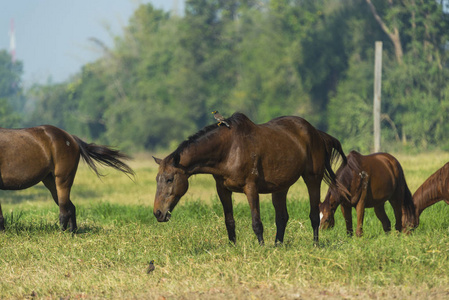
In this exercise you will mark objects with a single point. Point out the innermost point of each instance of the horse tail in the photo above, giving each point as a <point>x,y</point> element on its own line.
<point>332,150</point>
<point>93,154</point>
<point>409,212</point>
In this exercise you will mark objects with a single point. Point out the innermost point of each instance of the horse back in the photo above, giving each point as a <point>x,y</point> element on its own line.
<point>293,131</point>
<point>278,152</point>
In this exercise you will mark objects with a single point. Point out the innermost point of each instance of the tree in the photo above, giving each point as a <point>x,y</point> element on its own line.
<point>312,58</point>
<point>11,99</point>
<point>392,31</point>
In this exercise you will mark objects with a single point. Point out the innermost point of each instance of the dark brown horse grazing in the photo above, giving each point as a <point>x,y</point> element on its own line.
<point>51,155</point>
<point>251,159</point>
<point>433,190</point>
<point>371,180</point>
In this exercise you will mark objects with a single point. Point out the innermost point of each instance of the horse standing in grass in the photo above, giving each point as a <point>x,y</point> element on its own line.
<point>251,159</point>
<point>371,180</point>
<point>433,190</point>
<point>51,155</point>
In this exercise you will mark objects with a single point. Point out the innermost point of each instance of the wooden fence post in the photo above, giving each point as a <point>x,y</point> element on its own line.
<point>377,94</point>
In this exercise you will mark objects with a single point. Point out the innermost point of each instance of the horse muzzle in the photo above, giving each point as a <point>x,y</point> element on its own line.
<point>162,217</point>
<point>326,224</point>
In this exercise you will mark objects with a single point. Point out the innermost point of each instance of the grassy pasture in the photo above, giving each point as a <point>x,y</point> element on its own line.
<point>118,236</point>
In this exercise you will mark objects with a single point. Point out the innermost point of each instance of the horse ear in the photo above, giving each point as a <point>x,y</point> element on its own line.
<point>176,160</point>
<point>157,160</point>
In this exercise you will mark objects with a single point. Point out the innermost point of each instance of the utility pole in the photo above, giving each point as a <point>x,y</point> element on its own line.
<point>175,8</point>
<point>12,42</point>
<point>377,94</point>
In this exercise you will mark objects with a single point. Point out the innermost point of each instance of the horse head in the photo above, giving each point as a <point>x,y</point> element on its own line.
<point>327,211</point>
<point>172,184</point>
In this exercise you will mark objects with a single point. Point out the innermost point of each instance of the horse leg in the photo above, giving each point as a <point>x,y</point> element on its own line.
<point>360,208</point>
<point>279,200</point>
<point>225,196</point>
<point>253,200</point>
<point>397,208</point>
<point>382,216</point>
<point>313,184</point>
<point>50,184</point>
<point>2,220</point>
<point>67,211</point>
<point>347,214</point>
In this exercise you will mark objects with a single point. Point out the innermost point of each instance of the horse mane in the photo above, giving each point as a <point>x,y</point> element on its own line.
<point>431,188</point>
<point>237,121</point>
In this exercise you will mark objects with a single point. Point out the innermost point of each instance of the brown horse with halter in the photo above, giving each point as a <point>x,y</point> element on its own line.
<point>51,155</point>
<point>371,180</point>
<point>433,190</point>
<point>251,159</point>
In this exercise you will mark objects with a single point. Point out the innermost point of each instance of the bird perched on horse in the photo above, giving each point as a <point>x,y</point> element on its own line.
<point>220,118</point>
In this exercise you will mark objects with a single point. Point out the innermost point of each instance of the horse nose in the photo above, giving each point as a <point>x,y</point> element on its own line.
<point>158,214</point>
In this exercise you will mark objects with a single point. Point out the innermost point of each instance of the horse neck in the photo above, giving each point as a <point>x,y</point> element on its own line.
<point>430,192</point>
<point>204,155</point>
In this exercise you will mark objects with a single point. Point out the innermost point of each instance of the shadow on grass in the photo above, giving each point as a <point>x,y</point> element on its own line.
<point>15,222</point>
<point>15,197</point>
<point>39,191</point>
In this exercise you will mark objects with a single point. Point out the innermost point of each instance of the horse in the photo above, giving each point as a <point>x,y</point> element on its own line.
<point>51,155</point>
<point>433,190</point>
<point>370,180</point>
<point>251,159</point>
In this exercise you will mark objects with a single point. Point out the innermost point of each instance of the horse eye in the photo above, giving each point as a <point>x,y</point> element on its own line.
<point>169,180</point>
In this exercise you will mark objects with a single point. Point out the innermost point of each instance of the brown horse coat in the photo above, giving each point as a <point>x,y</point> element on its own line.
<point>51,155</point>
<point>251,159</point>
<point>371,180</point>
<point>433,190</point>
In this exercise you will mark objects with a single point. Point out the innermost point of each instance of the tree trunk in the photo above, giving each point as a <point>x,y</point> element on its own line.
<point>393,35</point>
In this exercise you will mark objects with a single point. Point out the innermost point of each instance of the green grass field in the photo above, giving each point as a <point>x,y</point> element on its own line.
<point>118,235</point>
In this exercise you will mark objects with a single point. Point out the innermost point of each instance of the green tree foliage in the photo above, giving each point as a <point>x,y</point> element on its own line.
<point>313,58</point>
<point>11,100</point>
<point>414,102</point>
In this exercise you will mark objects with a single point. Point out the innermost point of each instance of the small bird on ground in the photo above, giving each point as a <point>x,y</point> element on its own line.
<point>150,267</point>
<point>220,118</point>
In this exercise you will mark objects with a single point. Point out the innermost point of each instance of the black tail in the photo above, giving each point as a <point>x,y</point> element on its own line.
<point>92,154</point>
<point>333,149</point>
<point>410,219</point>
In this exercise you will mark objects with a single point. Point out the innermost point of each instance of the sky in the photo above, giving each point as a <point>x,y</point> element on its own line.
<point>52,36</point>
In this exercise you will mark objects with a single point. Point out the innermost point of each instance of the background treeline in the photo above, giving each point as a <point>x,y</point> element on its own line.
<point>313,58</point>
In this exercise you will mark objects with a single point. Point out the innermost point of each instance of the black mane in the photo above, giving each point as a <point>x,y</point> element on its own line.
<point>237,120</point>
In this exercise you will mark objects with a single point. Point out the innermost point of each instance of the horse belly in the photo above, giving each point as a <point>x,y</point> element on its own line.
<point>21,176</point>
<point>280,174</point>
<point>22,167</point>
